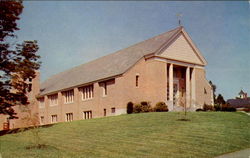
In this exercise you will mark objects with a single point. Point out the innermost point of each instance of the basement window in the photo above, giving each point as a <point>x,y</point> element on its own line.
<point>53,118</point>
<point>87,114</point>
<point>42,120</point>
<point>112,110</point>
<point>69,117</point>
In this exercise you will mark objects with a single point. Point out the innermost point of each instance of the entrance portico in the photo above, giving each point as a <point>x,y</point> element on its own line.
<point>180,84</point>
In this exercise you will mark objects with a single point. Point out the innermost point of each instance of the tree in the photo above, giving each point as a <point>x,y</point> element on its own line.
<point>220,100</point>
<point>18,62</point>
<point>214,89</point>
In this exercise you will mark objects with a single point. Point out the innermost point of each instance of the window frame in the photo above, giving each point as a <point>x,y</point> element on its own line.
<point>137,81</point>
<point>68,96</point>
<point>53,99</point>
<point>41,120</point>
<point>69,117</point>
<point>54,118</point>
<point>87,92</point>
<point>41,105</point>
<point>113,110</point>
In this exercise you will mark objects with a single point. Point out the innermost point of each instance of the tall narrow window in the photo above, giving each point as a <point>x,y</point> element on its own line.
<point>137,80</point>
<point>87,92</point>
<point>105,91</point>
<point>69,117</point>
<point>103,85</point>
<point>68,96</point>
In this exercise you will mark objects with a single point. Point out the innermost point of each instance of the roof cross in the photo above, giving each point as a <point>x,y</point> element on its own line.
<point>179,15</point>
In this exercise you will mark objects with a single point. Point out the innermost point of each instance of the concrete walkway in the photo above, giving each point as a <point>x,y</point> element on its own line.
<point>238,154</point>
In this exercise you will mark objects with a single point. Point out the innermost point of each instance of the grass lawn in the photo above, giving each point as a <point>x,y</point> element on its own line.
<point>207,134</point>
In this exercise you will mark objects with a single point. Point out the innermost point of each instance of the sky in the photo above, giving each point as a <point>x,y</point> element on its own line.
<point>73,33</point>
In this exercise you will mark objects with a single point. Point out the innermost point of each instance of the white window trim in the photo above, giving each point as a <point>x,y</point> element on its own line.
<point>65,93</point>
<point>70,114</point>
<point>104,84</point>
<point>87,92</point>
<point>52,120</point>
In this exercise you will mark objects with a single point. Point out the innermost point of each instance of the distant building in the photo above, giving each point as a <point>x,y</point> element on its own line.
<point>241,101</point>
<point>168,68</point>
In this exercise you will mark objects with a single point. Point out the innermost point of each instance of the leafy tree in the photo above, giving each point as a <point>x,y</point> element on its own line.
<point>214,89</point>
<point>18,62</point>
<point>220,100</point>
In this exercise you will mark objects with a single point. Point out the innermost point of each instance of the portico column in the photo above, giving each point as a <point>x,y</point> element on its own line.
<point>188,87</point>
<point>193,93</point>
<point>171,90</point>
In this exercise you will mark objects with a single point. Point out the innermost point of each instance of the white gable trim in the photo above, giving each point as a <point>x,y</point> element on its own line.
<point>189,41</point>
<point>196,50</point>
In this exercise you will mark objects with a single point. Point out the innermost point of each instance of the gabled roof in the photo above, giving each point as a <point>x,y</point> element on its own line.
<point>241,92</point>
<point>107,66</point>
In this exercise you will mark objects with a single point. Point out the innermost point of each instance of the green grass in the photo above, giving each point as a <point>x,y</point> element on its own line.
<point>207,134</point>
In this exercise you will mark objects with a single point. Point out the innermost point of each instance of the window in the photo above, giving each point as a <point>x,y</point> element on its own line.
<point>69,117</point>
<point>87,114</point>
<point>41,102</point>
<point>137,80</point>
<point>112,110</point>
<point>105,112</point>
<point>205,91</point>
<point>42,120</point>
<point>87,92</point>
<point>53,118</point>
<point>105,85</point>
<point>68,96</point>
<point>53,99</point>
<point>105,91</point>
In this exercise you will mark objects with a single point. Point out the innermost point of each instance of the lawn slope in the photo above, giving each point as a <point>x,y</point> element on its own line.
<point>207,134</point>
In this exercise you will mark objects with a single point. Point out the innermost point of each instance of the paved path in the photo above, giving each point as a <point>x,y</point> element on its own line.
<point>238,154</point>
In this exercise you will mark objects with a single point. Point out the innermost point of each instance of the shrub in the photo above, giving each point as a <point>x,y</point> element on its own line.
<point>137,108</point>
<point>142,107</point>
<point>130,107</point>
<point>199,109</point>
<point>228,108</point>
<point>146,107</point>
<point>161,107</point>
<point>246,109</point>
<point>217,107</point>
<point>208,107</point>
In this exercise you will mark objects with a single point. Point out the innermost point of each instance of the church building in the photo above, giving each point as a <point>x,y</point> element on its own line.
<point>166,68</point>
